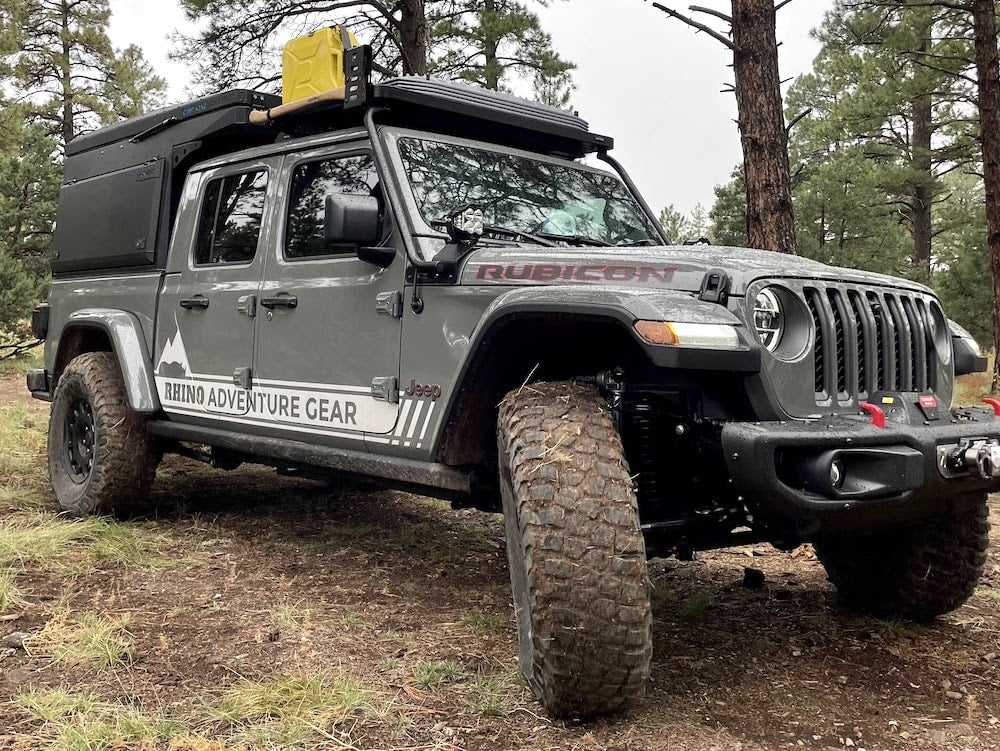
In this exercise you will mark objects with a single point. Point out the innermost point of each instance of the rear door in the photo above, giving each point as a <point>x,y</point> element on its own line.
<point>331,329</point>
<point>206,314</point>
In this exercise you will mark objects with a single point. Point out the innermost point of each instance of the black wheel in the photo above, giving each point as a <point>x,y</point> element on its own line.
<point>914,573</point>
<point>575,549</point>
<point>101,458</point>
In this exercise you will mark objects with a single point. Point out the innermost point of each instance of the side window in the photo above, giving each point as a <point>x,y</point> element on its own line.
<point>312,182</point>
<point>231,214</point>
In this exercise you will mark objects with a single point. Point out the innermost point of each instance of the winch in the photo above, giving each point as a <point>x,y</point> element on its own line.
<point>978,456</point>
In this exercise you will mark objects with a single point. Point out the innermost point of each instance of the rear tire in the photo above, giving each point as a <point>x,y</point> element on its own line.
<point>575,549</point>
<point>914,573</point>
<point>101,458</point>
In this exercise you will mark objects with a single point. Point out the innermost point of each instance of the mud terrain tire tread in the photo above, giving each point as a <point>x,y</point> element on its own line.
<point>125,455</point>
<point>915,573</point>
<point>576,551</point>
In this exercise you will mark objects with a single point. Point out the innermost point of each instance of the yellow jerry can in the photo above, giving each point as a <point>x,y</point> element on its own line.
<point>313,64</point>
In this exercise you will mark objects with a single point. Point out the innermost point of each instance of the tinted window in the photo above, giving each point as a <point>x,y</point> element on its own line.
<point>230,220</point>
<point>311,184</point>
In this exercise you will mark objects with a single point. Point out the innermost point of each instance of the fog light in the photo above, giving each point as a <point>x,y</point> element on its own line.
<point>836,473</point>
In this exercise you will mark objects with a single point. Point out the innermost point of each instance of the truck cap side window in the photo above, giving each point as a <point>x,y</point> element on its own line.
<point>312,182</point>
<point>231,214</point>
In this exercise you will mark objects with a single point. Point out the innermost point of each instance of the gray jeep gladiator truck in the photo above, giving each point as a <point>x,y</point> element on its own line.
<point>456,292</point>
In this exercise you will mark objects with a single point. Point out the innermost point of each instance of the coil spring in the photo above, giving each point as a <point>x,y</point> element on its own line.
<point>644,459</point>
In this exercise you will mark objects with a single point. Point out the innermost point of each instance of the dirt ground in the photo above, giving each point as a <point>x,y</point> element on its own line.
<point>257,576</point>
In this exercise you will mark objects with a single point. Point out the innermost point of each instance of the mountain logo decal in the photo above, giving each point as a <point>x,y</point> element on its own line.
<point>173,362</point>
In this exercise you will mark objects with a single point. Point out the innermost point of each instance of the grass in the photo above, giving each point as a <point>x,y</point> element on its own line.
<point>488,622</point>
<point>89,640</point>
<point>694,606</point>
<point>286,711</point>
<point>988,593</point>
<point>496,694</point>
<point>32,359</point>
<point>80,722</point>
<point>74,546</point>
<point>292,617</point>
<point>10,595</point>
<point>430,675</point>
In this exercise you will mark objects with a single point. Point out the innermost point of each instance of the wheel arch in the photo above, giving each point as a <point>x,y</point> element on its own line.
<point>118,332</point>
<point>532,342</point>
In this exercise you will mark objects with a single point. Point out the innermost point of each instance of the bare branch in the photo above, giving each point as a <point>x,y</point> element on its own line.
<point>699,26</point>
<point>795,120</point>
<point>711,12</point>
<point>781,5</point>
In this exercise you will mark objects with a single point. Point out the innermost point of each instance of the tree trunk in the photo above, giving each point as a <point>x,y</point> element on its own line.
<point>66,76</point>
<point>491,68</point>
<point>413,37</point>
<point>770,217</point>
<point>984,21</point>
<point>920,161</point>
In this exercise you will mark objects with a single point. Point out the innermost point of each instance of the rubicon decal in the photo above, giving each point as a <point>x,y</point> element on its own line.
<point>592,273</point>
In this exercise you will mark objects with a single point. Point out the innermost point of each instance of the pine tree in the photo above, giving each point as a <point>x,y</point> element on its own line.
<point>66,71</point>
<point>60,76</point>
<point>889,98</point>
<point>239,44</point>
<point>728,215</point>
<point>486,42</point>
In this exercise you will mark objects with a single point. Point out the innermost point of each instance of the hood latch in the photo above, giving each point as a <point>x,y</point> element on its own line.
<point>715,287</point>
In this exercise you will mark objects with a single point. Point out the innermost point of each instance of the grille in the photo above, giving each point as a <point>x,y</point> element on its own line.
<point>869,341</point>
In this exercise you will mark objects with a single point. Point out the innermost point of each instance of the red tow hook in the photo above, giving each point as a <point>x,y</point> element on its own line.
<point>995,403</point>
<point>877,413</point>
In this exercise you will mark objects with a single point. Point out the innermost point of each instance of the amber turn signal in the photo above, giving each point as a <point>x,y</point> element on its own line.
<point>657,332</point>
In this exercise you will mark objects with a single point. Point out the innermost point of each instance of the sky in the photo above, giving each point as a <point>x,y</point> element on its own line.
<point>649,81</point>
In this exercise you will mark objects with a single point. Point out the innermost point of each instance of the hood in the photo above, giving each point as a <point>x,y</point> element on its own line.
<point>680,267</point>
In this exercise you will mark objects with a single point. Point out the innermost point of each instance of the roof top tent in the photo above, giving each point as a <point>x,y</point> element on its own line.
<point>122,183</point>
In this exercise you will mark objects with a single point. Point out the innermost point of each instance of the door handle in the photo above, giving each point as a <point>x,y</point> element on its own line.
<point>195,302</point>
<point>285,301</point>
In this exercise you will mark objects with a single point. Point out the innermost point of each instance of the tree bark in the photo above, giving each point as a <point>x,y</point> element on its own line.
<point>984,21</point>
<point>922,108</point>
<point>66,76</point>
<point>770,216</point>
<point>491,69</point>
<point>413,37</point>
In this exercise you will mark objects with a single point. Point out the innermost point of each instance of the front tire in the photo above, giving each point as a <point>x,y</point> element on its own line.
<point>914,573</point>
<point>101,458</point>
<point>575,549</point>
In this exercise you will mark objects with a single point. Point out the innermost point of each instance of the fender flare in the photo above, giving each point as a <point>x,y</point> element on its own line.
<point>129,345</point>
<point>626,306</point>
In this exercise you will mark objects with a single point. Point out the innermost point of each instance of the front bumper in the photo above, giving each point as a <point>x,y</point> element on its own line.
<point>890,476</point>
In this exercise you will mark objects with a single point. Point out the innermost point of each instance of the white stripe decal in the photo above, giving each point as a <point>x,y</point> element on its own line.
<point>329,410</point>
<point>404,415</point>
<point>427,422</point>
<point>411,431</point>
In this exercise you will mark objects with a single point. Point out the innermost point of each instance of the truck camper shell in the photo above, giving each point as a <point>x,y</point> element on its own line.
<point>123,183</point>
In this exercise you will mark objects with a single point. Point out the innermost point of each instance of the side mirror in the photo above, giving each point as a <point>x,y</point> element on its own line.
<point>352,220</point>
<point>968,357</point>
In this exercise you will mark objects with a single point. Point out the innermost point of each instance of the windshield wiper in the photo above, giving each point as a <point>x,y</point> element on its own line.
<point>579,239</point>
<point>494,232</point>
<point>638,243</point>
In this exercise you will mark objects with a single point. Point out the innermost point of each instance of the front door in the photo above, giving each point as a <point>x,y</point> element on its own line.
<point>205,319</point>
<point>328,327</point>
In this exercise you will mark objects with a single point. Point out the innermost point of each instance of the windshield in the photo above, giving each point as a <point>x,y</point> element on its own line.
<point>523,195</point>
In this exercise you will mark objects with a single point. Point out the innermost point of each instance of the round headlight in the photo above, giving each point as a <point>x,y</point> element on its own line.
<point>768,319</point>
